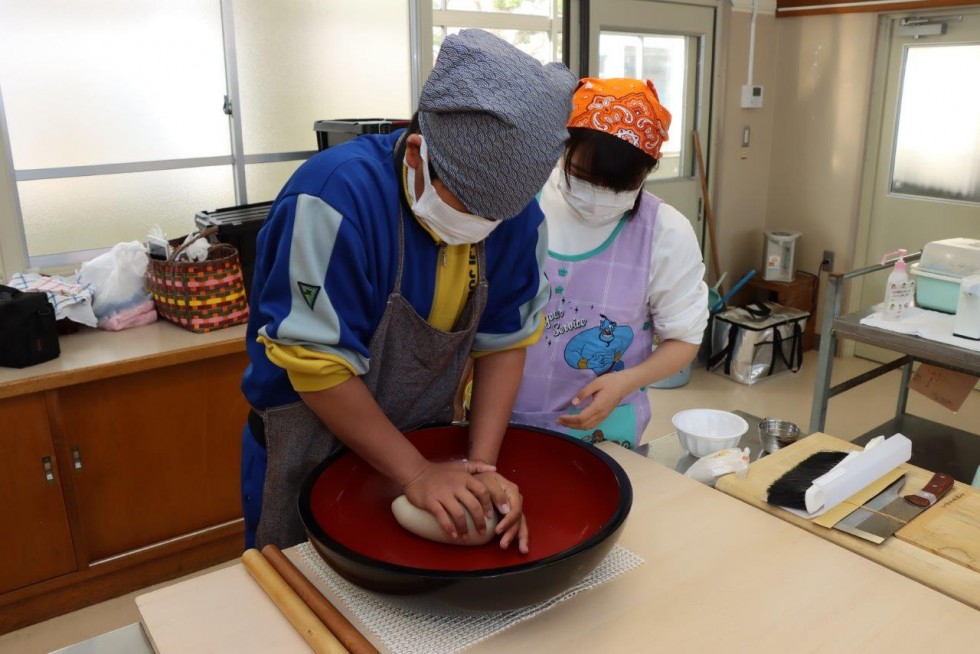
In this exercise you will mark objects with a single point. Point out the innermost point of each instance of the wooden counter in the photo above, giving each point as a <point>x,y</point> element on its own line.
<point>950,575</point>
<point>719,575</point>
<point>92,354</point>
<point>120,466</point>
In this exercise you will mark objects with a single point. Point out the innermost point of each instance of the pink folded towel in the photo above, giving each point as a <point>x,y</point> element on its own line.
<point>136,316</point>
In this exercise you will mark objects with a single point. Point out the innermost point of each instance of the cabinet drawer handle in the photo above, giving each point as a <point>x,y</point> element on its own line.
<point>48,470</point>
<point>76,457</point>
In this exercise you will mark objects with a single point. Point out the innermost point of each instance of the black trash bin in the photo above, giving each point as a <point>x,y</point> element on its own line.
<point>334,132</point>
<point>238,226</point>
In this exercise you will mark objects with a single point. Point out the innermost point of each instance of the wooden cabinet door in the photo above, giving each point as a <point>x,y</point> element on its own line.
<point>156,454</point>
<point>36,541</point>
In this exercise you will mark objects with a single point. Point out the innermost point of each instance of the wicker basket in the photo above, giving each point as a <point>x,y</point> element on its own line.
<point>199,295</point>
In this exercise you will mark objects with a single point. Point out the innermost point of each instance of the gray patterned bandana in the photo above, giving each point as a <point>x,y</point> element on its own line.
<point>494,120</point>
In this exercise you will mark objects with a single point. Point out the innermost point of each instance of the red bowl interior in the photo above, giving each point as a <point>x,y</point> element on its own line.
<point>570,494</point>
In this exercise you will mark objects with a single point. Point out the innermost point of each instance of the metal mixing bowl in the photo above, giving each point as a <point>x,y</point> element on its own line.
<point>776,433</point>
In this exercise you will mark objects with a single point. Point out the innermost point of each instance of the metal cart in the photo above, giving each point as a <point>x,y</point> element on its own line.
<point>935,446</point>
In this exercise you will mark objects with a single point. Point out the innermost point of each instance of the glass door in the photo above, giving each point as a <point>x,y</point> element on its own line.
<point>671,44</point>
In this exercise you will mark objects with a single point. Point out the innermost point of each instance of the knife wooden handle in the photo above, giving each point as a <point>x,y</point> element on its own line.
<point>334,620</point>
<point>938,486</point>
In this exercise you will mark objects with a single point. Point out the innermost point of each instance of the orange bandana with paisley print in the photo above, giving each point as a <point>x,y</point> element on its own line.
<point>625,108</point>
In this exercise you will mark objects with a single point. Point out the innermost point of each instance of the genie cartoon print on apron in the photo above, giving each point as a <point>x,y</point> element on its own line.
<point>601,348</point>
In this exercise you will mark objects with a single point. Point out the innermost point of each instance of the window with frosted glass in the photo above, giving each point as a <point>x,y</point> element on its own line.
<point>662,59</point>
<point>99,82</point>
<point>83,213</point>
<point>140,84</point>
<point>265,180</point>
<point>937,142</point>
<point>96,83</point>
<point>302,61</point>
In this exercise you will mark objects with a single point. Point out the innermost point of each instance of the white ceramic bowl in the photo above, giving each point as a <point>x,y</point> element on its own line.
<point>704,431</point>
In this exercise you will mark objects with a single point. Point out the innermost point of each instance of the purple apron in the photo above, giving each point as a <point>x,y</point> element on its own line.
<point>596,322</point>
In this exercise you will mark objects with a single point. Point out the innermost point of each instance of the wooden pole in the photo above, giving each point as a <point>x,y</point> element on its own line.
<point>314,632</point>
<point>708,215</point>
<point>340,626</point>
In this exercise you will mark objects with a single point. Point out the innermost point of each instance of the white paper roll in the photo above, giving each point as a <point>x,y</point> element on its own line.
<point>857,472</point>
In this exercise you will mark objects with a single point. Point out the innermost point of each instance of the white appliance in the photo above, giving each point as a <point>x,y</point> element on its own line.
<point>778,253</point>
<point>967,321</point>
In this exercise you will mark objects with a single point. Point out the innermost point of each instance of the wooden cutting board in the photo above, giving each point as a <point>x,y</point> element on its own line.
<point>206,614</point>
<point>950,529</point>
<point>940,548</point>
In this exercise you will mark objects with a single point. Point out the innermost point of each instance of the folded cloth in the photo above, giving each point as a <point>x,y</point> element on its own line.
<point>70,300</point>
<point>142,314</point>
<point>930,325</point>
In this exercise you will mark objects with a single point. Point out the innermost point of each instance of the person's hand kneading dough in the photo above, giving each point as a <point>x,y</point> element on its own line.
<point>506,498</point>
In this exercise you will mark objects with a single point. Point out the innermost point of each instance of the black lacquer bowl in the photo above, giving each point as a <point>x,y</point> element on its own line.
<point>576,499</point>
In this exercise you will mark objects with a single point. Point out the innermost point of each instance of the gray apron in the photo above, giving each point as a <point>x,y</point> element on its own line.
<point>414,372</point>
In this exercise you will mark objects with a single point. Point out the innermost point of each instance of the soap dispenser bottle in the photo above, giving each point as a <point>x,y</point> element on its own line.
<point>899,290</point>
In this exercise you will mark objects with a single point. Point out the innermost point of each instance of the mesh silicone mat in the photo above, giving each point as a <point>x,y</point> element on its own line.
<point>414,626</point>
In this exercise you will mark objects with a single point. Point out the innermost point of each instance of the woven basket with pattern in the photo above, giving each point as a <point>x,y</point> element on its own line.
<point>199,295</point>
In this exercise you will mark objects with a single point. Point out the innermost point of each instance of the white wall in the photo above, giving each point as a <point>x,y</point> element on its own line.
<point>803,169</point>
<point>742,176</point>
<point>823,94</point>
<point>11,250</point>
<point>825,66</point>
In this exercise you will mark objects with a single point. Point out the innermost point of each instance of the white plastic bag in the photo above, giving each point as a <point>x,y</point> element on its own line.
<point>196,251</point>
<point>707,469</point>
<point>118,277</point>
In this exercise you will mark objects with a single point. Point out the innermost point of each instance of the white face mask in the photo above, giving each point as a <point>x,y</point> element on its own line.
<point>451,225</point>
<point>595,205</point>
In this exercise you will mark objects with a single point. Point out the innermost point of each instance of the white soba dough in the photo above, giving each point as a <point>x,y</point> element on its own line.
<point>422,523</point>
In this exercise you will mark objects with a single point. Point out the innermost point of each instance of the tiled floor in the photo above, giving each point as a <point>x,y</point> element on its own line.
<point>789,397</point>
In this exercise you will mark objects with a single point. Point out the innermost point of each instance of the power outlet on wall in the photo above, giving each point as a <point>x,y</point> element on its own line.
<point>828,260</point>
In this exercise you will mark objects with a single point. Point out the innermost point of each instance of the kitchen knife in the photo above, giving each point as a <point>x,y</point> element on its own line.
<point>871,509</point>
<point>886,513</point>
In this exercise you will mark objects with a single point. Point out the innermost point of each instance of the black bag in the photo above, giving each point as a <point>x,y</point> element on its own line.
<point>28,334</point>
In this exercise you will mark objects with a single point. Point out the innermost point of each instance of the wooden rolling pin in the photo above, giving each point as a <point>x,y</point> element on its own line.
<point>316,635</point>
<point>335,621</point>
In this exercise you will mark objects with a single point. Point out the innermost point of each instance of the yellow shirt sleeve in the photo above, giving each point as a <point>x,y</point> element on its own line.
<point>308,370</point>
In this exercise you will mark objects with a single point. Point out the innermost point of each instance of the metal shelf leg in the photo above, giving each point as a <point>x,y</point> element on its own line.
<point>828,347</point>
<point>903,391</point>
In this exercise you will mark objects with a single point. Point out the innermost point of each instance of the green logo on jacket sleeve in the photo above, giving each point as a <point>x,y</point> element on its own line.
<point>309,292</point>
